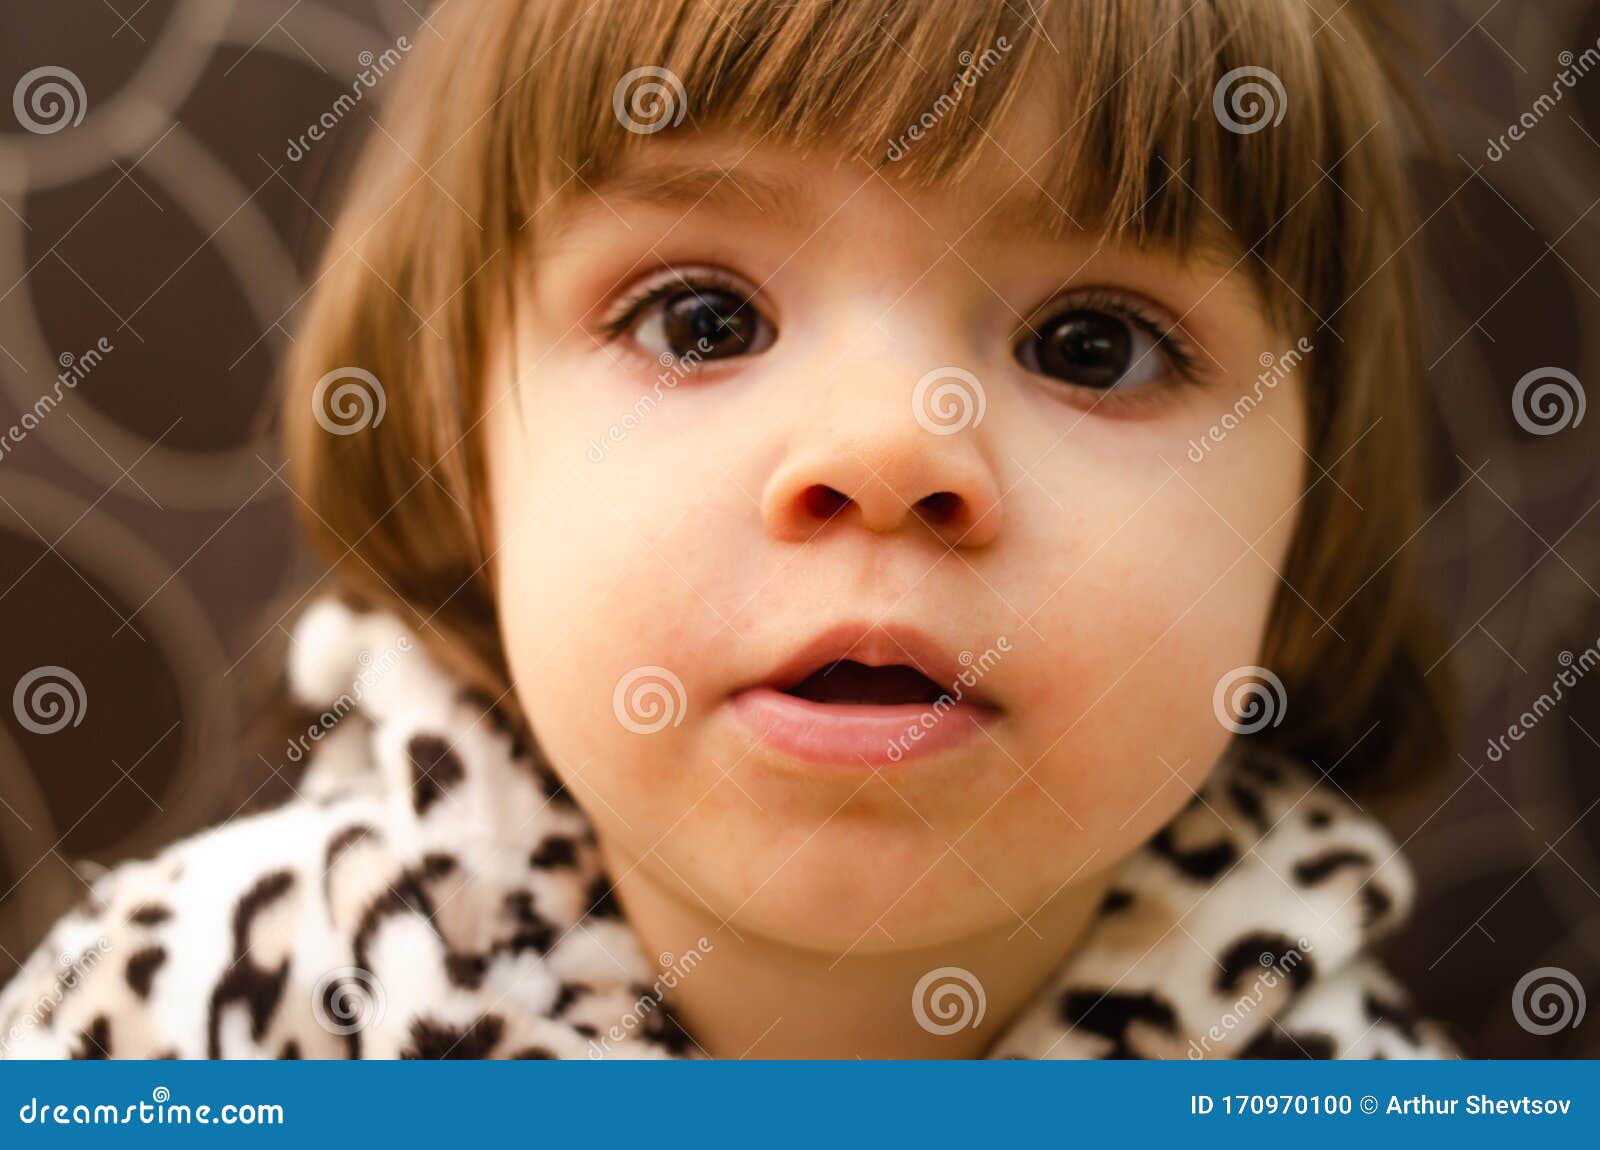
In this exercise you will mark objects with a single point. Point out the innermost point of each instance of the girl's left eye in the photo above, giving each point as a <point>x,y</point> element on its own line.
<point>690,321</point>
<point>1102,346</point>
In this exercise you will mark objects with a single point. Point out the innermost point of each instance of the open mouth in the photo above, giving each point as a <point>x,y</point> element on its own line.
<point>860,694</point>
<point>847,681</point>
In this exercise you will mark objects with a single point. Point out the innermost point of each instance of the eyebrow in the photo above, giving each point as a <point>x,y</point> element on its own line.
<point>1024,212</point>
<point>684,188</point>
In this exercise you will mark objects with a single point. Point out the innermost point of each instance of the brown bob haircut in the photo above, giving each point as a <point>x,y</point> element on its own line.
<point>501,102</point>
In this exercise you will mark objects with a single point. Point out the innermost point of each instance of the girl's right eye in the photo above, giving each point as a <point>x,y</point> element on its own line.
<point>684,320</point>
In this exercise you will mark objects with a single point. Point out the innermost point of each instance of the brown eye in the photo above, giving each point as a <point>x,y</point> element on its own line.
<point>690,323</point>
<point>1093,349</point>
<point>712,324</point>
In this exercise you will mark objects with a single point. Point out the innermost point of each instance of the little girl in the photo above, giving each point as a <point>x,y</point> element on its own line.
<point>865,529</point>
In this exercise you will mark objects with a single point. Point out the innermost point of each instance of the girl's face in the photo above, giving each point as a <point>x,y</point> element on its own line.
<point>854,564</point>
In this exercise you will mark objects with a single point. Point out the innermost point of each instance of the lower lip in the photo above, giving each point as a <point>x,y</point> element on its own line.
<point>856,733</point>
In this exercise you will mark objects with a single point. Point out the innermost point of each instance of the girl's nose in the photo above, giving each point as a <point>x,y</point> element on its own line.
<point>874,463</point>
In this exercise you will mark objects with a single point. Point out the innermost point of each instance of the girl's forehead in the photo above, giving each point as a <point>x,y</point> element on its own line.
<point>682,180</point>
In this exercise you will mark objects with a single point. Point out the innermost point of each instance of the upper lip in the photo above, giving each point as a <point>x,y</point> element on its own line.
<point>884,644</point>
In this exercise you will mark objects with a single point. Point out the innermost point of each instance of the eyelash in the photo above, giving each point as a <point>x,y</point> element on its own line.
<point>1171,341</point>
<point>664,285</point>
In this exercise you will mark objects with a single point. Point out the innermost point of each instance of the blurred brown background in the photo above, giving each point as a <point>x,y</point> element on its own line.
<point>163,244</point>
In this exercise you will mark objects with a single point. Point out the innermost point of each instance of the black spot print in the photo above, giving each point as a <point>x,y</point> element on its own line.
<point>437,864</point>
<point>663,1027</point>
<point>1248,800</point>
<point>569,993</point>
<point>554,789</point>
<point>1241,962</point>
<point>335,1002</point>
<point>1311,871</point>
<point>554,851</point>
<point>602,899</point>
<point>1279,1044</point>
<point>437,1040</point>
<point>244,982</point>
<point>1318,819</point>
<point>1375,903</point>
<point>142,967</point>
<point>532,1052</point>
<point>1402,1018</point>
<point>1109,1014</point>
<point>403,896</point>
<point>434,770</point>
<point>488,707</point>
<point>343,841</point>
<point>531,931</point>
<point>1116,899</point>
<point>150,914</point>
<point>290,1051</point>
<point>466,970</point>
<point>1260,768</point>
<point>94,1044</point>
<point>1204,863</point>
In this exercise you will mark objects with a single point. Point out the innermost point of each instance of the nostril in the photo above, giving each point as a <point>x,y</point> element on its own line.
<point>823,502</point>
<point>942,508</point>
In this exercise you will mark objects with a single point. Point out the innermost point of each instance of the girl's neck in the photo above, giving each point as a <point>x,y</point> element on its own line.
<point>752,997</point>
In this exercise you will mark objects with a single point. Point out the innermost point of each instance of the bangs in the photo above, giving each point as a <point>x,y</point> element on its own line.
<point>1169,122</point>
